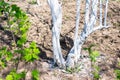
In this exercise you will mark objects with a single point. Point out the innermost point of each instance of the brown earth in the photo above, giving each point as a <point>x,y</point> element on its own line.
<point>107,40</point>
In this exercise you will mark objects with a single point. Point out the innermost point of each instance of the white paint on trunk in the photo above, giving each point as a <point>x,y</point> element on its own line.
<point>56,12</point>
<point>106,9</point>
<point>89,27</point>
<point>38,2</point>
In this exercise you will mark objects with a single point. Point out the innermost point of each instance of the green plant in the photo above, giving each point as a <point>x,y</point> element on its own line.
<point>5,56</point>
<point>0,78</point>
<point>118,63</point>
<point>117,72</point>
<point>29,54</point>
<point>13,75</point>
<point>32,2</point>
<point>35,75</point>
<point>96,72</point>
<point>93,56</point>
<point>17,22</point>
<point>73,70</point>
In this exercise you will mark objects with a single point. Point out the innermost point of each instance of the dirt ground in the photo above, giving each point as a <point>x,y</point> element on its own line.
<point>107,41</point>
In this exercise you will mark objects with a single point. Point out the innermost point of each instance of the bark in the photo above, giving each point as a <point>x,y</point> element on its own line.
<point>90,22</point>
<point>56,11</point>
<point>73,55</point>
<point>38,2</point>
<point>89,27</point>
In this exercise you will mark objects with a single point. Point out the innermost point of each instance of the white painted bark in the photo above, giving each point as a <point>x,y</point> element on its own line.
<point>73,55</point>
<point>56,12</point>
<point>90,21</point>
<point>101,12</point>
<point>38,2</point>
<point>106,9</point>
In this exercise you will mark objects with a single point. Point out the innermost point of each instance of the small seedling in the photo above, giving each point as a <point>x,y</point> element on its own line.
<point>93,56</point>
<point>13,75</point>
<point>32,2</point>
<point>5,56</point>
<point>117,72</point>
<point>35,75</point>
<point>118,63</point>
<point>17,22</point>
<point>96,72</point>
<point>73,70</point>
<point>29,54</point>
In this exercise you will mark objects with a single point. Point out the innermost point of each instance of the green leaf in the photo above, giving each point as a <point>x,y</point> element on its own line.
<point>93,59</point>
<point>36,51</point>
<point>23,30</point>
<point>18,76</point>
<point>28,57</point>
<point>9,77</point>
<point>27,51</point>
<point>95,54</point>
<point>33,45</point>
<point>35,56</point>
<point>1,79</point>
<point>2,63</point>
<point>96,75</point>
<point>35,75</point>
<point>9,56</point>
<point>13,75</point>
<point>21,41</point>
<point>117,72</point>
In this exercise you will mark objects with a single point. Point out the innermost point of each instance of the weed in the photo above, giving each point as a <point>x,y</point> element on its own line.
<point>29,54</point>
<point>73,70</point>
<point>5,56</point>
<point>96,72</point>
<point>32,2</point>
<point>35,75</point>
<point>93,56</point>
<point>117,72</point>
<point>13,75</point>
<point>17,22</point>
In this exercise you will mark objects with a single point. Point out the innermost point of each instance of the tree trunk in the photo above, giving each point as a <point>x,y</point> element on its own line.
<point>56,11</point>
<point>90,21</point>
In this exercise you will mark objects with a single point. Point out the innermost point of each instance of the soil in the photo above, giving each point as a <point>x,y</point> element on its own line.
<point>107,41</point>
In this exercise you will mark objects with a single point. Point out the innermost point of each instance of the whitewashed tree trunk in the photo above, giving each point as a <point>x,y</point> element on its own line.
<point>56,11</point>
<point>89,27</point>
<point>38,2</point>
